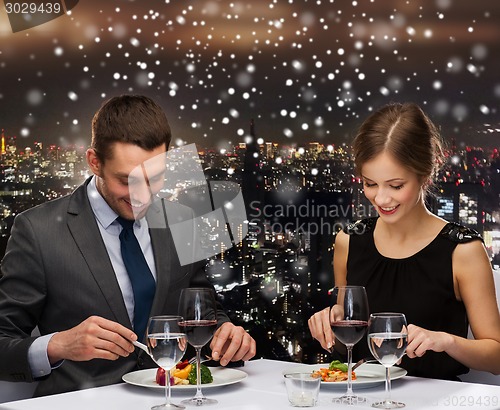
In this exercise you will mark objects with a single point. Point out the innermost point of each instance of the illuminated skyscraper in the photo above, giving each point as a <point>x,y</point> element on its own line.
<point>253,184</point>
<point>463,203</point>
<point>3,143</point>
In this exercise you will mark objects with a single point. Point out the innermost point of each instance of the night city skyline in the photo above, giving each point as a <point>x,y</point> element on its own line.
<point>280,272</point>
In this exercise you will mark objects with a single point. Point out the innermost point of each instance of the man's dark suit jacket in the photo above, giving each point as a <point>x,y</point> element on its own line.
<point>56,273</point>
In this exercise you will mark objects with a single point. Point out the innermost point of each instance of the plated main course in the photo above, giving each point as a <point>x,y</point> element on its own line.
<point>335,372</point>
<point>184,373</point>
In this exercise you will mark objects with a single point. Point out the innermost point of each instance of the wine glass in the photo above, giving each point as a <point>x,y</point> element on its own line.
<point>166,344</point>
<point>350,309</point>
<point>387,340</point>
<point>198,307</point>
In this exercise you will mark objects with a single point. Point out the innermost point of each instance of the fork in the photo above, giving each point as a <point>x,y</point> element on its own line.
<point>140,345</point>
<point>202,360</point>
<point>191,361</point>
<point>370,360</point>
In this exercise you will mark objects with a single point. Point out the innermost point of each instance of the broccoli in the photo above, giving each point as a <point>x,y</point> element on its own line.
<point>206,375</point>
<point>337,364</point>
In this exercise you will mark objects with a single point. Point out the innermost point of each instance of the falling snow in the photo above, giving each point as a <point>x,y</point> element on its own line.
<point>302,70</point>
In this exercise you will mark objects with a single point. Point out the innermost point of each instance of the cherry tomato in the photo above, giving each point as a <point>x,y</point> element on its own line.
<point>183,364</point>
<point>160,377</point>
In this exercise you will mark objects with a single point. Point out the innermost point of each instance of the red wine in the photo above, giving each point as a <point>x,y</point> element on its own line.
<point>198,332</point>
<point>349,332</point>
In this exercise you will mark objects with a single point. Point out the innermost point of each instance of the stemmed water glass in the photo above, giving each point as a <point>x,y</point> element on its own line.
<point>166,345</point>
<point>350,311</point>
<point>387,340</point>
<point>198,307</point>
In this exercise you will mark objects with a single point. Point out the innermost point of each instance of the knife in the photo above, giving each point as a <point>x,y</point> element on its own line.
<point>362,361</point>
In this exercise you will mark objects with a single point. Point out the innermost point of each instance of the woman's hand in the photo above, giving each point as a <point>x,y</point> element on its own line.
<point>321,328</point>
<point>421,340</point>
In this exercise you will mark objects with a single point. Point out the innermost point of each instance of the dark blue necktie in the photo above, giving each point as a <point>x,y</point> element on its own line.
<point>143,283</point>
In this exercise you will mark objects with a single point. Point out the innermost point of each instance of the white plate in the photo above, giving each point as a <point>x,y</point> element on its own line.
<point>222,377</point>
<point>367,375</point>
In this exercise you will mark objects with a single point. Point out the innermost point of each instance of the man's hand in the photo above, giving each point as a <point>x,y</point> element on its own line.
<point>94,338</point>
<point>232,343</point>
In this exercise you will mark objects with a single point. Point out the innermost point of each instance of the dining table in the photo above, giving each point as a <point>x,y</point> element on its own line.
<point>262,387</point>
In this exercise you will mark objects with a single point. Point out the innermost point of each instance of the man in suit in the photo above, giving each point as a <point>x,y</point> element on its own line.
<point>63,270</point>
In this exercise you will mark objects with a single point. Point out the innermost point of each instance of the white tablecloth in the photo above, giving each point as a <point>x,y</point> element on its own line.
<point>264,389</point>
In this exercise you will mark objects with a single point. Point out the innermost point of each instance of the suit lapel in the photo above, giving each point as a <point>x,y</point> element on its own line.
<point>83,227</point>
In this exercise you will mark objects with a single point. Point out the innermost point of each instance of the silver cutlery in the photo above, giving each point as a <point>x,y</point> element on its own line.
<point>363,361</point>
<point>202,360</point>
<point>141,346</point>
<point>370,360</point>
<point>191,361</point>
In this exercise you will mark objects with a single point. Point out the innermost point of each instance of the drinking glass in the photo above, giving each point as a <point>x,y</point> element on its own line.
<point>166,344</point>
<point>350,306</point>
<point>198,307</point>
<point>387,340</point>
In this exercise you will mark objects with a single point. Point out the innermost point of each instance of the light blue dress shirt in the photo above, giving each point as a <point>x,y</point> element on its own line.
<point>110,230</point>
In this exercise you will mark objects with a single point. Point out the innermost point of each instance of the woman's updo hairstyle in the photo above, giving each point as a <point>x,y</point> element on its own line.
<point>405,132</point>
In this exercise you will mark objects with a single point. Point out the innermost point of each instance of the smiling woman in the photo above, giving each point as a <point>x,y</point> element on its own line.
<point>411,261</point>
